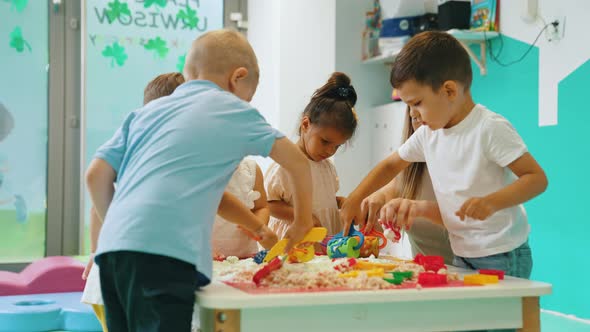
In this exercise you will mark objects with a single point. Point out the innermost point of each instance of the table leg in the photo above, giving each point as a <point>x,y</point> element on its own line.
<point>215,320</point>
<point>531,315</point>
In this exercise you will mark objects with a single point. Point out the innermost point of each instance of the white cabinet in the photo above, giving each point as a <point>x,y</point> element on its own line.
<point>387,130</point>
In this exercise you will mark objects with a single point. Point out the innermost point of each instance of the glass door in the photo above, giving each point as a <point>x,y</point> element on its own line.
<point>125,45</point>
<point>24,59</point>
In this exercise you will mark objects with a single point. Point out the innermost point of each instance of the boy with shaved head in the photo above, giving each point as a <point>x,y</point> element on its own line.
<point>173,158</point>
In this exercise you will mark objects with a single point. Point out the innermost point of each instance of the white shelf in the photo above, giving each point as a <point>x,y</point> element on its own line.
<point>382,59</point>
<point>473,36</point>
<point>466,37</point>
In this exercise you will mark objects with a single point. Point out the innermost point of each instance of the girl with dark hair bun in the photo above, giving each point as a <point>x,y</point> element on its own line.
<point>328,121</point>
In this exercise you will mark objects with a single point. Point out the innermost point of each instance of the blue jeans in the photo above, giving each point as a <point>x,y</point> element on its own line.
<point>516,263</point>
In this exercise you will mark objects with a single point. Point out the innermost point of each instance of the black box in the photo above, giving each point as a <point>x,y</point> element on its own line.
<point>454,15</point>
<point>426,22</point>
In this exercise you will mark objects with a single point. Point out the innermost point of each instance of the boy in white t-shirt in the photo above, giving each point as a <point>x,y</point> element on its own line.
<point>480,167</point>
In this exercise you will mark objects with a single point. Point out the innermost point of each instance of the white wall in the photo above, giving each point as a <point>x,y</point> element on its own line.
<point>299,44</point>
<point>295,45</point>
<point>307,55</point>
<point>372,86</point>
<point>264,34</point>
<point>556,59</point>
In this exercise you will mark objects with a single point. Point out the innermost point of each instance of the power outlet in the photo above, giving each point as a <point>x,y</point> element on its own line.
<point>556,29</point>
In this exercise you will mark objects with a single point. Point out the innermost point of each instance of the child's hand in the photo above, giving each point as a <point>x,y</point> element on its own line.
<point>316,221</point>
<point>296,233</point>
<point>370,207</point>
<point>267,238</point>
<point>350,211</point>
<point>479,208</point>
<point>400,212</point>
<point>88,267</point>
<point>340,201</point>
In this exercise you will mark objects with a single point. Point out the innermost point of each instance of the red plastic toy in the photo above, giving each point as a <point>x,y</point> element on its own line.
<point>432,279</point>
<point>430,263</point>
<point>345,265</point>
<point>490,272</point>
<point>273,265</point>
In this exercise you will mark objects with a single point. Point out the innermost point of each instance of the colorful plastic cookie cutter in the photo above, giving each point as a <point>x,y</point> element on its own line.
<point>259,257</point>
<point>376,234</point>
<point>343,247</point>
<point>490,272</point>
<point>395,230</point>
<point>346,246</point>
<point>480,279</point>
<point>432,279</point>
<point>316,234</point>
<point>369,273</point>
<point>301,255</point>
<point>374,242</point>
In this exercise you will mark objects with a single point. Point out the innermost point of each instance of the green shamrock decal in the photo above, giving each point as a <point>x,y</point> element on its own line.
<point>116,52</point>
<point>19,5</point>
<point>149,3</point>
<point>17,41</point>
<point>189,17</point>
<point>180,64</point>
<point>116,10</point>
<point>158,45</point>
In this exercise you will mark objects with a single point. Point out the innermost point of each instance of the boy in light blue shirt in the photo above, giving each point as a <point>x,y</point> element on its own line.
<point>172,159</point>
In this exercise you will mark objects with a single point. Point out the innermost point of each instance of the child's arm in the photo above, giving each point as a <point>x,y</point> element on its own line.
<point>100,177</point>
<point>288,155</point>
<point>283,211</point>
<point>232,210</point>
<point>261,209</point>
<point>371,206</point>
<point>531,182</point>
<point>340,201</point>
<point>381,175</point>
<point>95,226</point>
<point>402,212</point>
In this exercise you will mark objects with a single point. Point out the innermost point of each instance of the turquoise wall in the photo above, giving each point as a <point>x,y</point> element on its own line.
<point>559,219</point>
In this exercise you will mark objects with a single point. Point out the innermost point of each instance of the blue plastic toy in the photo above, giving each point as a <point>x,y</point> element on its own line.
<point>346,246</point>
<point>259,257</point>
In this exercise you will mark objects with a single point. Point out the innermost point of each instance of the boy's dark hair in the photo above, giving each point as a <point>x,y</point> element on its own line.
<point>431,58</point>
<point>332,105</point>
<point>162,85</point>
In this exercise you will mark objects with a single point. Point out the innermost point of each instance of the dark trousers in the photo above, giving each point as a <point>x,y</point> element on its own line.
<point>146,292</point>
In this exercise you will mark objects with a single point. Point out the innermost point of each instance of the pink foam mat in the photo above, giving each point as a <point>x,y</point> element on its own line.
<point>56,274</point>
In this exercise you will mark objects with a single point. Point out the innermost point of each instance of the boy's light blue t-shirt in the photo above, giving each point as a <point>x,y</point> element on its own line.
<point>173,158</point>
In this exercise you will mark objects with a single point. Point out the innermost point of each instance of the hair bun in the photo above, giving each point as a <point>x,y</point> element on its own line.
<point>333,105</point>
